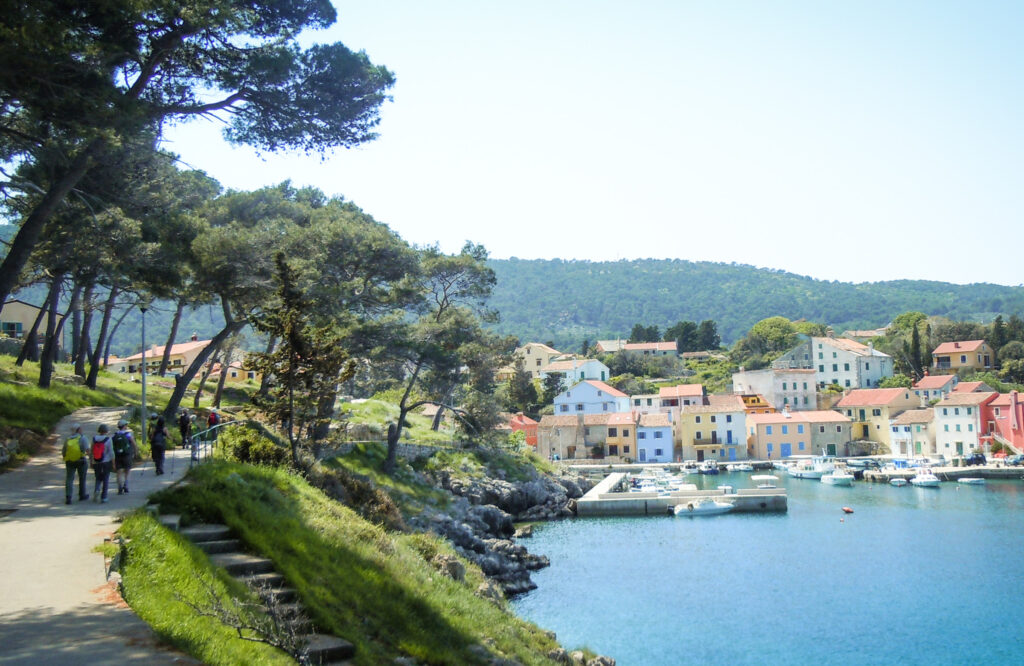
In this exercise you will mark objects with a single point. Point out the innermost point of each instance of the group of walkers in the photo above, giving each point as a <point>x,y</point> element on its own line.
<point>116,452</point>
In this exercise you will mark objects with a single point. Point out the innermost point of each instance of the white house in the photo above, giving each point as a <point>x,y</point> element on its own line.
<point>935,387</point>
<point>591,397</point>
<point>958,423</point>
<point>839,361</point>
<point>913,433</point>
<point>654,438</point>
<point>577,370</point>
<point>792,388</point>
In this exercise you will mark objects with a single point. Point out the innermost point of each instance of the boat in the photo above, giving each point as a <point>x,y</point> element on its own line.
<point>847,509</point>
<point>740,467</point>
<point>925,479</point>
<point>709,467</point>
<point>898,482</point>
<point>972,480</point>
<point>702,507</point>
<point>814,468</point>
<point>837,478</point>
<point>765,480</point>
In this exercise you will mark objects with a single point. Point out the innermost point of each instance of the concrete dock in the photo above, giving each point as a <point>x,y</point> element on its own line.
<point>946,473</point>
<point>608,498</point>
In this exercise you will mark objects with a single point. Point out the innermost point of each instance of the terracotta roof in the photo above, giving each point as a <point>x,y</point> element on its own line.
<point>558,420</point>
<point>954,399</point>
<point>558,366</point>
<point>180,348</point>
<point>717,403</point>
<point>652,346</point>
<point>1003,400</point>
<point>682,391</point>
<point>595,419</point>
<point>934,381</point>
<point>865,397</point>
<point>968,387</point>
<point>655,421</point>
<point>958,347</point>
<point>810,416</point>
<point>847,344</point>
<point>610,390</point>
<point>610,345</point>
<point>621,418</point>
<point>914,416</point>
<point>542,346</point>
<point>521,419</point>
<point>872,333</point>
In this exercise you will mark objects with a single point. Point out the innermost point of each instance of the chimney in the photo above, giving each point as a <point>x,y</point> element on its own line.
<point>956,345</point>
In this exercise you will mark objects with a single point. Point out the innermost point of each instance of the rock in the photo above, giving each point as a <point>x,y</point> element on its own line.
<point>578,658</point>
<point>601,660</point>
<point>524,532</point>
<point>490,590</point>
<point>74,380</point>
<point>449,566</point>
<point>550,634</point>
<point>559,656</point>
<point>571,489</point>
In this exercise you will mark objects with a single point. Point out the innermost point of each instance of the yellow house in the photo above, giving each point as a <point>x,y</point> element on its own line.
<point>621,436</point>
<point>182,356</point>
<point>17,317</point>
<point>536,357</point>
<point>236,372</point>
<point>714,429</point>
<point>950,357</point>
<point>872,410</point>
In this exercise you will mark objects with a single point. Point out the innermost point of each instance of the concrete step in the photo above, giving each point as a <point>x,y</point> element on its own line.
<point>282,595</point>
<point>171,521</point>
<point>324,648</point>
<point>271,580</point>
<point>240,564</point>
<point>199,533</point>
<point>220,546</point>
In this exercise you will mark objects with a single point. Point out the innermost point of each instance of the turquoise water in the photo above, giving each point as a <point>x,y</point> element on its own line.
<point>914,576</point>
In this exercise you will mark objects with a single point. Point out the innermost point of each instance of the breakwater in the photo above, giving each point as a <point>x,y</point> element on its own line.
<point>989,472</point>
<point>608,499</point>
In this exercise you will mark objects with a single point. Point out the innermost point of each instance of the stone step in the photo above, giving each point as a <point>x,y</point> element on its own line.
<point>220,546</point>
<point>171,521</point>
<point>241,564</point>
<point>271,580</point>
<point>199,533</point>
<point>324,648</point>
<point>282,595</point>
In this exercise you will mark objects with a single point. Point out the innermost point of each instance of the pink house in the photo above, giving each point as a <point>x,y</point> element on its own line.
<point>1003,419</point>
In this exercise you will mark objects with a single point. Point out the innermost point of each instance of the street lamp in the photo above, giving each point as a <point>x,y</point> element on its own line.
<point>145,420</point>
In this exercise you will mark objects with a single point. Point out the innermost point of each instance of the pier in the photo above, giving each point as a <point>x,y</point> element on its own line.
<point>988,472</point>
<point>609,498</point>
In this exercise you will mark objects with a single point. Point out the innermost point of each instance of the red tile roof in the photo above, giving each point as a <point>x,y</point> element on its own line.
<point>810,416</point>
<point>958,347</point>
<point>866,397</point>
<point>934,381</point>
<point>621,418</point>
<point>968,387</point>
<point>656,420</point>
<point>558,420</point>
<point>180,348</point>
<point>650,346</point>
<point>682,391</point>
<point>954,399</point>
<point>601,386</point>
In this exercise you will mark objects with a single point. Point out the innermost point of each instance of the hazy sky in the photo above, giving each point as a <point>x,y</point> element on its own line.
<point>853,141</point>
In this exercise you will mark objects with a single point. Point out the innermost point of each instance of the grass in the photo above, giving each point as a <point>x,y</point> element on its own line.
<point>406,489</point>
<point>377,414</point>
<point>372,587</point>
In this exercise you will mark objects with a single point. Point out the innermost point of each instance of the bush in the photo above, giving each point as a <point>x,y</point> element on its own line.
<point>246,444</point>
<point>360,494</point>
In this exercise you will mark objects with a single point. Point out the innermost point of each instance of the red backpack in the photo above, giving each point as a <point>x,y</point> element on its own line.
<point>98,449</point>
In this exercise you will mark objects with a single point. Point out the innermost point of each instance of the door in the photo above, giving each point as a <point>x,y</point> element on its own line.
<point>863,416</point>
<point>732,453</point>
<point>570,452</point>
<point>917,448</point>
<point>831,449</point>
<point>700,455</point>
<point>785,450</point>
<point>643,455</point>
<point>959,448</point>
<point>866,431</point>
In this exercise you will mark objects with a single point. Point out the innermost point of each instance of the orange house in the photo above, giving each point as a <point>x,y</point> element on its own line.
<point>523,422</point>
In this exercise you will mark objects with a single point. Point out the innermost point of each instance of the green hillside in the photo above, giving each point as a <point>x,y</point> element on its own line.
<point>569,301</point>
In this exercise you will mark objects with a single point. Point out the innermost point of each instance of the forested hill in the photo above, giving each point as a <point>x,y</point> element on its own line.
<point>569,301</point>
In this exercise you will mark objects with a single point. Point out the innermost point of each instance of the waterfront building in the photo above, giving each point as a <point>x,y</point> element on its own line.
<point>913,433</point>
<point>960,423</point>
<point>935,387</point>
<point>839,361</point>
<point>654,438</point>
<point>647,403</point>
<point>783,388</point>
<point>871,412</point>
<point>951,357</point>
<point>621,438</point>
<point>560,436</point>
<point>811,432</point>
<point>1004,419</point>
<point>712,429</point>
<point>591,397</point>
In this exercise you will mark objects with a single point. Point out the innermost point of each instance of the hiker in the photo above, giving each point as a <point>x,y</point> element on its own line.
<point>75,454</point>
<point>212,420</point>
<point>185,427</point>
<point>102,453</point>
<point>124,455</point>
<point>158,441</point>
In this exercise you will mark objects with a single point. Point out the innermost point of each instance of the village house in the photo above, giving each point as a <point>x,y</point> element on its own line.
<point>536,357</point>
<point>591,397</point>
<point>1004,418</point>
<point>973,387</point>
<point>839,361</point>
<point>236,372</point>
<point>934,387</point>
<point>913,433</point>
<point>755,403</point>
<point>871,412</point>
<point>792,388</point>
<point>960,423</point>
<point>182,356</point>
<point>654,438</point>
<point>712,429</point>
<point>560,436</point>
<point>652,348</point>
<point>621,440</point>
<point>17,317</point>
<point>646,403</point>
<point>520,421</point>
<point>784,434</point>
<point>576,370</point>
<point>951,357</point>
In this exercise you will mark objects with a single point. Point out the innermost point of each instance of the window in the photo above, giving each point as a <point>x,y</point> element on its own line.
<point>636,401</point>
<point>821,368</point>
<point>956,411</point>
<point>821,428</point>
<point>946,427</point>
<point>728,418</point>
<point>625,449</point>
<point>658,434</point>
<point>800,429</point>
<point>963,358</point>
<point>698,418</point>
<point>847,382</point>
<point>958,427</point>
<point>648,402</point>
<point>586,432</point>
<point>599,393</point>
<point>604,406</point>
<point>625,433</point>
<point>800,446</point>
<point>849,412</point>
<point>846,366</point>
<point>641,435</point>
<point>968,411</point>
<point>767,430</point>
<point>805,399</point>
<point>783,386</point>
<point>834,354</point>
<point>563,408</point>
<point>712,418</point>
<point>700,435</point>
<point>876,412</point>
<point>769,447</point>
<point>805,386</point>
<point>538,362</point>
<point>839,428</point>
<point>820,355</point>
<point>613,432</point>
<point>835,367</point>
<point>785,430</point>
<point>579,407</point>
<point>945,412</point>
<point>970,427</point>
<point>867,366</point>
<point>785,401</point>
<point>997,411</point>
<point>657,452</point>
<point>918,428</point>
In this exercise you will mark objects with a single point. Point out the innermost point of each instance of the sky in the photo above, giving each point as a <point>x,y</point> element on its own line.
<point>851,141</point>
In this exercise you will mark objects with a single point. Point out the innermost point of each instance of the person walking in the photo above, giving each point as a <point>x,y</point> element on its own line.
<point>185,427</point>
<point>212,420</point>
<point>102,452</point>
<point>158,441</point>
<point>124,455</point>
<point>75,454</point>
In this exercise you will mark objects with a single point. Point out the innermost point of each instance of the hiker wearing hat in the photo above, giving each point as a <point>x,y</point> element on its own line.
<point>124,455</point>
<point>75,454</point>
<point>212,420</point>
<point>102,452</point>
<point>158,437</point>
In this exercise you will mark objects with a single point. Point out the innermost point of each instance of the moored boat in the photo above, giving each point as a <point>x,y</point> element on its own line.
<point>702,507</point>
<point>814,468</point>
<point>740,467</point>
<point>972,480</point>
<point>837,478</point>
<point>898,481</point>
<point>925,479</point>
<point>765,480</point>
<point>709,467</point>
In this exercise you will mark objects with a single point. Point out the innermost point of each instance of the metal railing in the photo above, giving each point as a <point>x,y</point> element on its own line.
<point>202,443</point>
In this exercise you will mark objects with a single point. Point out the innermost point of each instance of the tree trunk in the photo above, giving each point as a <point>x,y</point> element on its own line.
<point>76,321</point>
<point>28,235</point>
<point>265,379</point>
<point>224,368</point>
<point>30,347</point>
<point>83,340</point>
<point>231,327</point>
<point>113,331</point>
<point>46,362</point>
<point>202,380</point>
<point>170,338</point>
<point>94,358</point>
<point>395,429</point>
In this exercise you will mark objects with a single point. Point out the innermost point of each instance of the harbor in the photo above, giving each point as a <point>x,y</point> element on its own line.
<point>954,474</point>
<point>612,497</point>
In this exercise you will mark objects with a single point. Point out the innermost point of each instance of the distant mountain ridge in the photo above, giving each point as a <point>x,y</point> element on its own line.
<point>569,301</point>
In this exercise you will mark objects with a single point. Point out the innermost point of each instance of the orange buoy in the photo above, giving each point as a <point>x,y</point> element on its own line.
<point>847,509</point>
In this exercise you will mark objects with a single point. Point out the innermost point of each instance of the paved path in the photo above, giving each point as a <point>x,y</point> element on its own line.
<point>55,605</point>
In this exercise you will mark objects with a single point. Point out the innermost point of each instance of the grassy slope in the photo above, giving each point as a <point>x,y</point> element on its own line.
<point>374,588</point>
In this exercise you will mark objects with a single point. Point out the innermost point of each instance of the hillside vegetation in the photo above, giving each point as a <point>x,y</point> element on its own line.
<point>570,301</point>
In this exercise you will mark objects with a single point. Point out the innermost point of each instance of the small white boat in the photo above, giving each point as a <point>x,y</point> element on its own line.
<point>740,467</point>
<point>925,479</point>
<point>702,507</point>
<point>814,468</point>
<point>765,480</point>
<point>972,480</point>
<point>837,478</point>
<point>898,482</point>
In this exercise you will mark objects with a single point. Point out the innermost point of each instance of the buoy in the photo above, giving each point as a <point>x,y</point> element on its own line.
<point>847,509</point>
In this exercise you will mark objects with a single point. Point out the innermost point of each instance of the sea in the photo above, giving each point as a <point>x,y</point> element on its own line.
<point>912,576</point>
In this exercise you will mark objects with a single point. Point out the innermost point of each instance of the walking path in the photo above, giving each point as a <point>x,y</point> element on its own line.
<point>56,606</point>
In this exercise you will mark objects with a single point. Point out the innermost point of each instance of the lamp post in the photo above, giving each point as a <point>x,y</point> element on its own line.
<point>145,418</point>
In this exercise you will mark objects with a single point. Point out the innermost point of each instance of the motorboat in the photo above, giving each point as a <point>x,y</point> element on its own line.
<point>972,480</point>
<point>925,479</point>
<point>709,467</point>
<point>814,468</point>
<point>765,480</point>
<point>740,467</point>
<point>837,477</point>
<point>702,507</point>
<point>899,481</point>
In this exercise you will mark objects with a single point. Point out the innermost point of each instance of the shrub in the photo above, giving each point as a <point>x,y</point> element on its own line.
<point>359,493</point>
<point>247,444</point>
